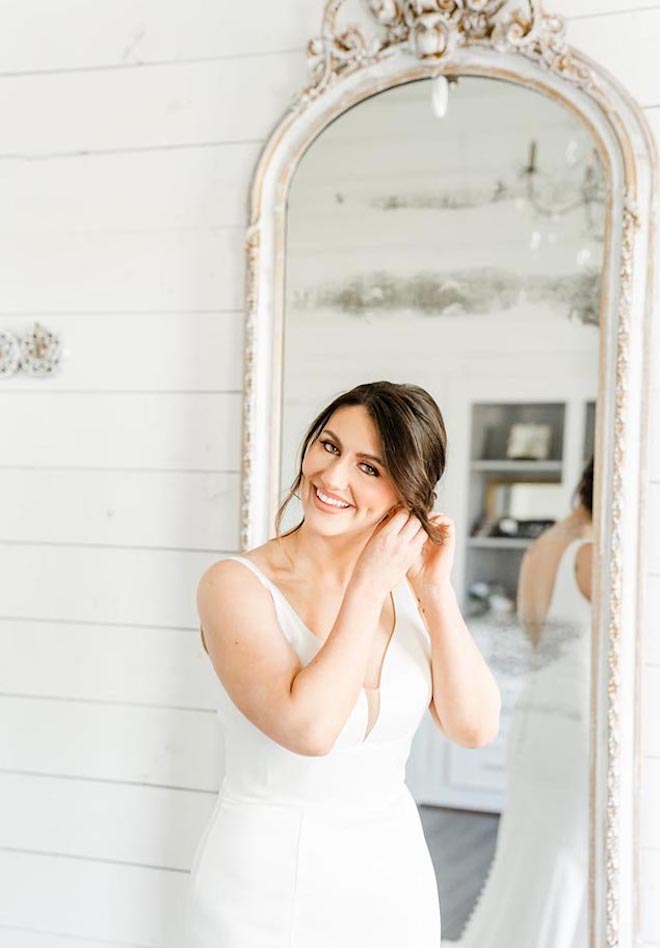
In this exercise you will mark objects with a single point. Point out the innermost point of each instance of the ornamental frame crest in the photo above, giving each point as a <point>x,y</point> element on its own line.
<point>386,43</point>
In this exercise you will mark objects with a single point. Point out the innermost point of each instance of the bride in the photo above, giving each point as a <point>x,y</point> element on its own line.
<point>330,642</point>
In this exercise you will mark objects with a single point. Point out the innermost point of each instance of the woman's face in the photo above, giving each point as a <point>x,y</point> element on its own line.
<point>345,465</point>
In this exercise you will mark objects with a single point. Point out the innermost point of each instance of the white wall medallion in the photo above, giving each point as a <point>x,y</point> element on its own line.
<point>41,351</point>
<point>10,353</point>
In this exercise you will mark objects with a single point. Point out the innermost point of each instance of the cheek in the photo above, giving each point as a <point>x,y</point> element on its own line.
<point>377,493</point>
<point>314,461</point>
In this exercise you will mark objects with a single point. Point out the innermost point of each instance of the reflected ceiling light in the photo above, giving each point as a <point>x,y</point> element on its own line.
<point>548,196</point>
<point>439,95</point>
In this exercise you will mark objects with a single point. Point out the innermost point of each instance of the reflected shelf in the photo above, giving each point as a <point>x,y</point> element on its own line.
<point>545,467</point>
<point>500,542</point>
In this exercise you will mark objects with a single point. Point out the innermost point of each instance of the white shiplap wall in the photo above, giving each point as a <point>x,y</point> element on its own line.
<point>129,132</point>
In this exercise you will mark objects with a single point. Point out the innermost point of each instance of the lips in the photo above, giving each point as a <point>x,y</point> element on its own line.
<point>345,505</point>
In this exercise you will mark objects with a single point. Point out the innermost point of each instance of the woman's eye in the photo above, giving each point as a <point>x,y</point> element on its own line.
<point>372,470</point>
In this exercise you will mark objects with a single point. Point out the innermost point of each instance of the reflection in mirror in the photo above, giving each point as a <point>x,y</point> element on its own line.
<point>460,249</point>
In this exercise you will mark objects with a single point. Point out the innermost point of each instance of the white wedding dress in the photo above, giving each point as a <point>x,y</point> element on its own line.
<point>535,895</point>
<point>329,851</point>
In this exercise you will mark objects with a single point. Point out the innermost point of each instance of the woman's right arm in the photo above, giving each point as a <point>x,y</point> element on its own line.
<point>303,708</point>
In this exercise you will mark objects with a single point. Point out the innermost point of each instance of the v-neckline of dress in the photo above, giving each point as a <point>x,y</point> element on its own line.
<point>319,642</point>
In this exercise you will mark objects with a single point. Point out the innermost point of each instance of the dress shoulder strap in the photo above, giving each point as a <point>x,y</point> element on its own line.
<point>255,569</point>
<point>567,599</point>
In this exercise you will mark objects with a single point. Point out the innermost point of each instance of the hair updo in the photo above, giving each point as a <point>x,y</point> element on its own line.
<point>413,442</point>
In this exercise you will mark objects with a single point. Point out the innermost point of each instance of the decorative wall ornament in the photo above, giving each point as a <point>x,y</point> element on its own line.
<point>40,351</point>
<point>10,353</point>
<point>36,352</point>
<point>432,30</point>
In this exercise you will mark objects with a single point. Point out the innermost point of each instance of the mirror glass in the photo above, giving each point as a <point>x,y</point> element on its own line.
<point>451,235</point>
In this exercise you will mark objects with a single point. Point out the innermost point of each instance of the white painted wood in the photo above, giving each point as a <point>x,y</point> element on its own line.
<point>170,352</point>
<point>652,621</point>
<point>68,663</point>
<point>157,746</point>
<point>17,938</point>
<point>157,107</point>
<point>652,531</point>
<point>148,826</point>
<point>654,442</point>
<point>126,904</point>
<point>122,430</point>
<point>133,238</point>
<point>650,896</point>
<point>127,33</point>
<point>94,584</point>
<point>134,32</point>
<point>633,63</point>
<point>121,508</point>
<point>128,191</point>
<point>651,711</point>
<point>107,271</point>
<point>594,9</point>
<point>650,813</point>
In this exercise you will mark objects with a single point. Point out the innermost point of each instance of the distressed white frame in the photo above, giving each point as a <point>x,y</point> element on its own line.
<point>410,40</point>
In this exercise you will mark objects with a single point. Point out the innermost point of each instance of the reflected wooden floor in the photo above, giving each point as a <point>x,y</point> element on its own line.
<point>462,844</point>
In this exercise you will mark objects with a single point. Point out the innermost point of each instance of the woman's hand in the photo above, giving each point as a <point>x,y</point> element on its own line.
<point>432,569</point>
<point>393,547</point>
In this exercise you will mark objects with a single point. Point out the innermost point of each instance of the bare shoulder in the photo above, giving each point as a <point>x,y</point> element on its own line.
<point>228,585</point>
<point>249,652</point>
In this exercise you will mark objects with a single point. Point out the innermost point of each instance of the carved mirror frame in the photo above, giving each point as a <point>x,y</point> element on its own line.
<point>399,41</point>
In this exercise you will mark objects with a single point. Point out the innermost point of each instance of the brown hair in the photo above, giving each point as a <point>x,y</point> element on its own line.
<point>584,492</point>
<point>412,437</point>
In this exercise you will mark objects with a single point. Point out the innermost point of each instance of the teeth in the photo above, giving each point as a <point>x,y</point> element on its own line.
<point>330,500</point>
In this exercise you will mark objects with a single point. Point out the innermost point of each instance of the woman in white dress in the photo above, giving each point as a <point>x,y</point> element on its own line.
<point>330,642</point>
<point>535,895</point>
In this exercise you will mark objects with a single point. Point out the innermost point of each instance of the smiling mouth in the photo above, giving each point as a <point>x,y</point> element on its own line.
<point>330,501</point>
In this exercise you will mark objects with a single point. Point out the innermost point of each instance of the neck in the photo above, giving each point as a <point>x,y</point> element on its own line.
<point>315,555</point>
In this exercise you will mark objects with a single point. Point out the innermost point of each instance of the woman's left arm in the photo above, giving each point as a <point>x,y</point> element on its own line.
<point>466,698</point>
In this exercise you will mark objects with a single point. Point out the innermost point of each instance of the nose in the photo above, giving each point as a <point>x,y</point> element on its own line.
<point>336,475</point>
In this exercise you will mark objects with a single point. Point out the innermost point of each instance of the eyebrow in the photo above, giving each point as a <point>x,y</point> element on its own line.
<point>361,454</point>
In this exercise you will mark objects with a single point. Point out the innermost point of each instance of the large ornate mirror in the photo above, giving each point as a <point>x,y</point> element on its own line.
<point>460,201</point>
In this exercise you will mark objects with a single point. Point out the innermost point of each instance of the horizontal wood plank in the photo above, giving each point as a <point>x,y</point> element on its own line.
<point>650,794</point>
<point>180,188</point>
<point>192,511</point>
<point>650,699</point>
<point>22,938</point>
<point>650,896</point>
<point>100,585</point>
<point>169,352</point>
<point>108,271</point>
<point>572,9</point>
<point>652,621</point>
<point>136,430</point>
<point>149,826</point>
<point>144,666</point>
<point>125,904</point>
<point>139,745</point>
<point>158,107</point>
<point>631,62</point>
<point>137,32</point>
